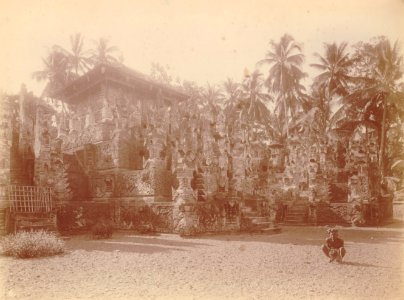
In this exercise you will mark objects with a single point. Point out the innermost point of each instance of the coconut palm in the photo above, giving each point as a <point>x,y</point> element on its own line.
<point>231,93</point>
<point>335,68</point>
<point>285,60</point>
<point>79,60</point>
<point>55,68</point>
<point>211,96</point>
<point>103,53</point>
<point>254,98</point>
<point>334,79</point>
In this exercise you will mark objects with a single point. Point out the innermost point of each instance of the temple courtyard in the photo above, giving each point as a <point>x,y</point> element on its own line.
<point>288,265</point>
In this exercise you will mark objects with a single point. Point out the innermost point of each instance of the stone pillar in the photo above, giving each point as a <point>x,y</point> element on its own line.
<point>222,153</point>
<point>6,129</point>
<point>121,148</point>
<point>42,148</point>
<point>238,160</point>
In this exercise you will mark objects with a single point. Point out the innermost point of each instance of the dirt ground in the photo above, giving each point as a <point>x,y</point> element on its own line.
<point>289,265</point>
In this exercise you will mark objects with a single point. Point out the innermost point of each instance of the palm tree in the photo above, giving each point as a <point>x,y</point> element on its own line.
<point>231,93</point>
<point>62,66</point>
<point>335,67</point>
<point>382,97</point>
<point>285,60</point>
<point>334,79</point>
<point>376,100</point>
<point>211,96</point>
<point>255,100</point>
<point>103,53</point>
<point>79,59</point>
<point>55,68</point>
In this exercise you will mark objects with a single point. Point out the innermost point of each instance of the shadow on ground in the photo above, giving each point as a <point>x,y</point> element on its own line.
<point>394,224</point>
<point>130,243</point>
<point>357,264</point>
<point>314,236</point>
<point>293,235</point>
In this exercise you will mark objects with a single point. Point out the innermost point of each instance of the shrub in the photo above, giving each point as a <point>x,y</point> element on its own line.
<point>82,215</point>
<point>209,216</point>
<point>102,229</point>
<point>65,218</point>
<point>32,244</point>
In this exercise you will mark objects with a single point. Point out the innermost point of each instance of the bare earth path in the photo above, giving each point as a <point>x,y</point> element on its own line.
<point>289,265</point>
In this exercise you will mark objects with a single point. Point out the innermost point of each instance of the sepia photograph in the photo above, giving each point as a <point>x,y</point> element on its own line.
<point>228,149</point>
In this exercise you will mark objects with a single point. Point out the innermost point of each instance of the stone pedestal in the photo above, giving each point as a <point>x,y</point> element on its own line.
<point>184,200</point>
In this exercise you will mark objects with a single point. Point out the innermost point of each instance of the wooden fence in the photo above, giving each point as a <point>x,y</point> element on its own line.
<point>29,199</point>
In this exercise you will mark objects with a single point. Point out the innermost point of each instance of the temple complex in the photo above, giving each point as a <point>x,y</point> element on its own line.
<point>122,145</point>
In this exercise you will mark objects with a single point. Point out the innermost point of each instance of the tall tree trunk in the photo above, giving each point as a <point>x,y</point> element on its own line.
<point>286,117</point>
<point>382,139</point>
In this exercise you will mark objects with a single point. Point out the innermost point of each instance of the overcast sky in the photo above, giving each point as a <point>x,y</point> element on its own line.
<point>200,40</point>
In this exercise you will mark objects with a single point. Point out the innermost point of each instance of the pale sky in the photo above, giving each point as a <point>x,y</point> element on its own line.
<point>200,40</point>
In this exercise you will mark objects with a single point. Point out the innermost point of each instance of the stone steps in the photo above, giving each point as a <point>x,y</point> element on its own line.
<point>259,220</point>
<point>35,224</point>
<point>297,214</point>
<point>258,224</point>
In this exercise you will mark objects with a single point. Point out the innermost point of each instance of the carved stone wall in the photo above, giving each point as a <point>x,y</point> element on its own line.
<point>135,146</point>
<point>135,183</point>
<point>50,168</point>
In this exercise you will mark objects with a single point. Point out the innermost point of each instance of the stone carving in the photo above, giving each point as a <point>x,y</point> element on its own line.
<point>104,154</point>
<point>136,183</point>
<point>102,187</point>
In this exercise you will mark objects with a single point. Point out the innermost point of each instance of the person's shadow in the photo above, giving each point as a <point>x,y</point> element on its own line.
<point>357,264</point>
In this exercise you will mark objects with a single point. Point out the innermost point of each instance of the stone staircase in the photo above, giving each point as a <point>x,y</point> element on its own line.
<point>253,222</point>
<point>297,214</point>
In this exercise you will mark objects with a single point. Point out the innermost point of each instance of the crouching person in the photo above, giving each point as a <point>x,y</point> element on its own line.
<point>334,246</point>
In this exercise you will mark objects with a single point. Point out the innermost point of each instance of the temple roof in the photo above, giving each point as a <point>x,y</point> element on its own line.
<point>114,73</point>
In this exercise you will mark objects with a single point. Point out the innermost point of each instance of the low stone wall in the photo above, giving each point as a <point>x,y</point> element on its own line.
<point>205,217</point>
<point>156,217</point>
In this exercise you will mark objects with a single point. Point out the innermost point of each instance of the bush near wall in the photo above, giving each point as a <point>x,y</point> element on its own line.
<point>209,216</point>
<point>102,229</point>
<point>82,216</point>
